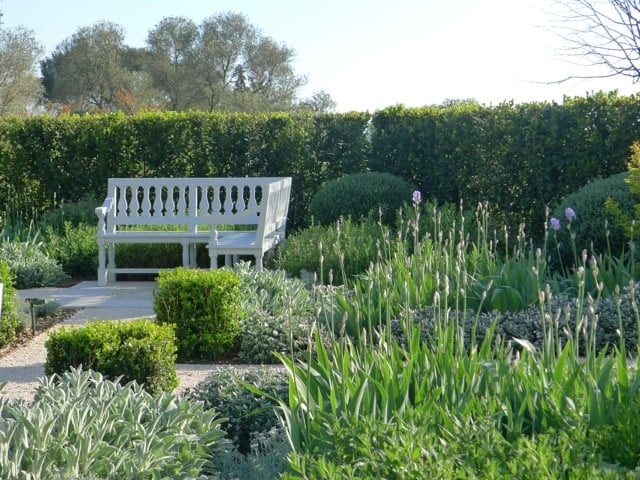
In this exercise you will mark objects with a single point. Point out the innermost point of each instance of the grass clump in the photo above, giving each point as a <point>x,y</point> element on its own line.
<point>345,248</point>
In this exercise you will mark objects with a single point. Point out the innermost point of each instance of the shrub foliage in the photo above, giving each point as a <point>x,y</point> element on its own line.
<point>518,157</point>
<point>82,425</point>
<point>247,414</point>
<point>134,350</point>
<point>359,196</point>
<point>204,308</point>
<point>595,227</point>
<point>9,321</point>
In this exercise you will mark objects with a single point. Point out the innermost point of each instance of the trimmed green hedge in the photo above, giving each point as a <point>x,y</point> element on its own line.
<point>519,158</point>
<point>43,157</point>
<point>204,308</point>
<point>137,350</point>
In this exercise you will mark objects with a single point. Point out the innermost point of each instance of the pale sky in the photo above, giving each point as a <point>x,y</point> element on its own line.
<point>367,54</point>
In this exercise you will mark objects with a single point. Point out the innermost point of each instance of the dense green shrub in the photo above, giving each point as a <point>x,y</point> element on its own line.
<point>616,319</point>
<point>30,264</point>
<point>204,307</point>
<point>136,350</point>
<point>75,249</point>
<point>348,248</point>
<point>77,213</point>
<point>519,157</point>
<point>595,227</point>
<point>150,255</point>
<point>310,148</point>
<point>278,314</point>
<point>10,323</point>
<point>247,414</point>
<point>359,196</point>
<point>82,425</point>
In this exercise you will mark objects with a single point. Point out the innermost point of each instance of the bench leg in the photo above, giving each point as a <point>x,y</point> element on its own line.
<point>102,267</point>
<point>111,264</point>
<point>185,255</point>
<point>213,256</point>
<point>258,261</point>
<point>193,255</point>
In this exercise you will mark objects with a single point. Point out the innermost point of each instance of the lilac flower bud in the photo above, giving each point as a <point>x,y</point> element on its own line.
<point>416,197</point>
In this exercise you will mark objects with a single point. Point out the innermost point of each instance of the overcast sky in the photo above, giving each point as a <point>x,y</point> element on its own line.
<point>368,54</point>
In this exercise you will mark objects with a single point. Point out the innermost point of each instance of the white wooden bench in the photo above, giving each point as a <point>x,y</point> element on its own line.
<point>195,208</point>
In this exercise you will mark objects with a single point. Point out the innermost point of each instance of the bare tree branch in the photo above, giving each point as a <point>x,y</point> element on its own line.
<point>603,33</point>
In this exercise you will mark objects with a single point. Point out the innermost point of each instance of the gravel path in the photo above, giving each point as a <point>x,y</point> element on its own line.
<point>24,366</point>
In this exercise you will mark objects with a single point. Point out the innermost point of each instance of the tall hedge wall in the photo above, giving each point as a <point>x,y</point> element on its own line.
<point>519,157</point>
<point>46,160</point>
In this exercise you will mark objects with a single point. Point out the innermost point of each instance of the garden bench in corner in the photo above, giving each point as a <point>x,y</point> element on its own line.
<point>136,209</point>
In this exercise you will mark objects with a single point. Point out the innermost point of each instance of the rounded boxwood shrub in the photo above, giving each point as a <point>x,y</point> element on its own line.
<point>359,196</point>
<point>588,203</point>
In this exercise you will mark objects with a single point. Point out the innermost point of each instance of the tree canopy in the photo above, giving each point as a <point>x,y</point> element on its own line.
<point>225,63</point>
<point>20,88</point>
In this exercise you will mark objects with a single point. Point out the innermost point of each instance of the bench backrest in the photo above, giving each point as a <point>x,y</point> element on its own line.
<point>275,209</point>
<point>261,201</point>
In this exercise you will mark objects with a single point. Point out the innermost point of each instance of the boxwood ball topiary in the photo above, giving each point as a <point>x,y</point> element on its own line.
<point>588,203</point>
<point>359,196</point>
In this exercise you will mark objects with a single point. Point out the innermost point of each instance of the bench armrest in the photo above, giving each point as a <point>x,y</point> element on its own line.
<point>102,212</point>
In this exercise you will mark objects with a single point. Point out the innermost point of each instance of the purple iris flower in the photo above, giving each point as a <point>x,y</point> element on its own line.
<point>570,214</point>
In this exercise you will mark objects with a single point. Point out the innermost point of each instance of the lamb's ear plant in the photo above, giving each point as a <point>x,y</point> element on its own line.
<point>83,426</point>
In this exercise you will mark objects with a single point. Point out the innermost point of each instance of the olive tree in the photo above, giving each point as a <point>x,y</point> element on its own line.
<point>224,64</point>
<point>91,71</point>
<point>20,88</point>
